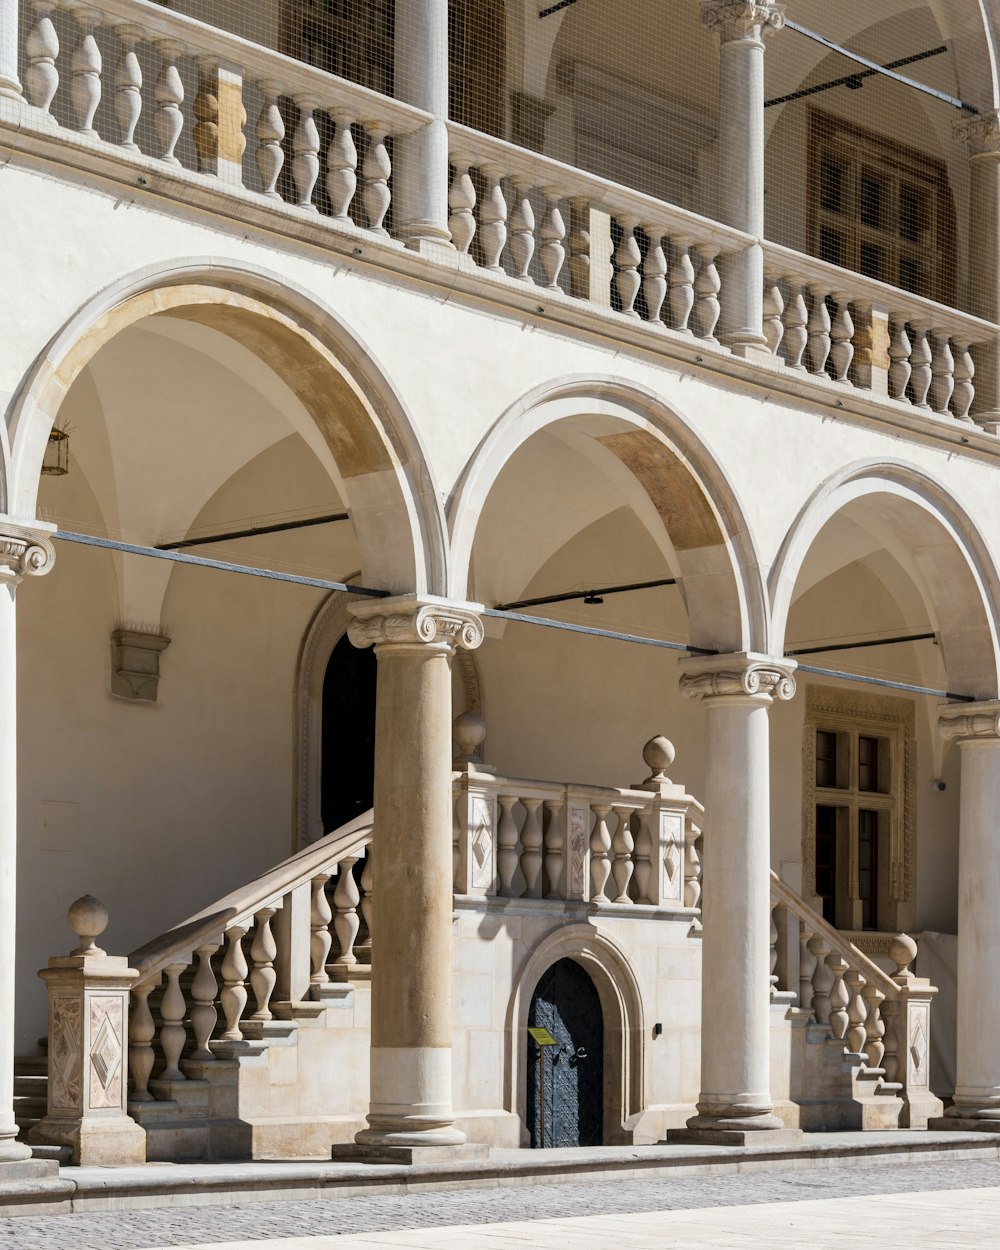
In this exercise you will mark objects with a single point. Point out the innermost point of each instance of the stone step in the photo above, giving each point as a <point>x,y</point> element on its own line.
<point>31,1065</point>
<point>30,1085</point>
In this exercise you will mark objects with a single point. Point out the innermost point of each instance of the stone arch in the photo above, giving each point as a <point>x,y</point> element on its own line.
<point>621,1004</point>
<point>678,476</point>
<point>370,442</point>
<point>924,526</point>
<point>327,627</point>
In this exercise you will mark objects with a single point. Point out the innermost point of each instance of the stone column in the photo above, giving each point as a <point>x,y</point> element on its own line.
<point>735,1100</point>
<point>420,160</point>
<point>415,639</point>
<point>741,25</point>
<point>23,553</point>
<point>10,84</point>
<point>976,729</point>
<point>982,134</point>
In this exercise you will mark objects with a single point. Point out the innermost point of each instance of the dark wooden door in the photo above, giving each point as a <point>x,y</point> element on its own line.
<point>567,1004</point>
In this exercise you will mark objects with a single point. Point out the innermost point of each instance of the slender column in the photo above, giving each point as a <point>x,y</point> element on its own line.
<point>976,729</point>
<point>737,691</point>
<point>741,25</point>
<point>420,161</point>
<point>10,84</point>
<point>23,552</point>
<point>414,641</point>
<point>982,134</point>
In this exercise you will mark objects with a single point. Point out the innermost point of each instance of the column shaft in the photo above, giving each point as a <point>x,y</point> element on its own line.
<point>420,162</point>
<point>10,84</point>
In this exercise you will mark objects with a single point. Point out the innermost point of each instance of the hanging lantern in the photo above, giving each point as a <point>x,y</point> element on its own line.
<point>56,459</point>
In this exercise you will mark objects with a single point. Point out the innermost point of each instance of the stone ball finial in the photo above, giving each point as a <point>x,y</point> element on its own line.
<point>88,918</point>
<point>469,732</point>
<point>658,754</point>
<point>902,952</point>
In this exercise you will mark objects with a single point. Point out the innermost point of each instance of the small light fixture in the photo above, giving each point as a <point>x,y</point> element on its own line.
<point>56,459</point>
<point>593,599</point>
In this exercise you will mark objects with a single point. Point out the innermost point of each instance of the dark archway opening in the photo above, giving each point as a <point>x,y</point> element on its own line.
<point>566,1003</point>
<point>348,742</point>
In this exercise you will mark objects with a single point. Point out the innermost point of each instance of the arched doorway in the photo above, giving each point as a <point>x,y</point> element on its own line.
<point>566,1080</point>
<point>347,770</point>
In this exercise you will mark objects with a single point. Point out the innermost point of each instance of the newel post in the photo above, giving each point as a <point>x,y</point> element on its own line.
<point>910,1017</point>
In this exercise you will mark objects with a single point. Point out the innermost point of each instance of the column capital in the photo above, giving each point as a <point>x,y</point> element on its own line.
<point>412,620</point>
<point>980,132</point>
<point>742,19</point>
<point>741,675</point>
<point>24,551</point>
<point>970,722</point>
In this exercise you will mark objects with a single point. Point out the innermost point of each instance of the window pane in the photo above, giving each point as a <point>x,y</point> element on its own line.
<point>912,213</point>
<point>868,867</point>
<point>912,275</point>
<point>831,246</point>
<point>873,197</point>
<point>826,758</point>
<point>826,860</point>
<point>868,749</point>
<point>832,185</point>
<point>872,261</point>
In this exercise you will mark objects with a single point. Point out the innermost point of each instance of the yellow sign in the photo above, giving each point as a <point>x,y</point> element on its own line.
<point>543,1037</point>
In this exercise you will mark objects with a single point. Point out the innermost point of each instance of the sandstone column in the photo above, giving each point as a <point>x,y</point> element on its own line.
<point>976,729</point>
<point>414,640</point>
<point>10,84</point>
<point>982,134</point>
<point>737,691</point>
<point>741,25</point>
<point>420,161</point>
<point>23,553</point>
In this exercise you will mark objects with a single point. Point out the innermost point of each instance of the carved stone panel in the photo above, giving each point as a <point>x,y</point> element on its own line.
<point>482,843</point>
<point>918,1048</point>
<point>106,1051</point>
<point>65,1048</point>
<point>579,841</point>
<point>672,841</point>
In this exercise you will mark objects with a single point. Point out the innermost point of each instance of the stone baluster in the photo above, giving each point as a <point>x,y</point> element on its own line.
<point>942,374</point>
<point>346,923</point>
<point>600,845</point>
<point>857,1012</point>
<point>364,948</point>
<point>554,842</point>
<point>680,279</point>
<point>796,323</point>
<point>270,133</point>
<point>319,922</point>
<point>646,846</point>
<point>692,865</point>
<point>839,995</point>
<point>841,336</point>
<point>341,167</point>
<point>822,979</point>
<point>773,959</point>
<point>169,96</point>
<point>552,253</point>
<point>458,816</point>
<point>522,231</point>
<point>875,1026</point>
<point>531,843</point>
<point>623,846</point>
<point>263,951</point>
<point>899,356</point>
<point>774,307</point>
<point>820,341</point>
<point>173,1035</point>
<point>376,170</point>
<point>707,286</point>
<point>462,204</point>
<point>204,1015</point>
<point>128,86</point>
<point>492,220</point>
<point>627,259</point>
<point>964,394</point>
<point>86,65</point>
<point>654,274</point>
<point>41,76</point>
<point>807,968</point>
<point>508,853</point>
<point>141,1031</point>
<point>234,991</point>
<point>892,1063</point>
<point>921,359</point>
<point>305,153</point>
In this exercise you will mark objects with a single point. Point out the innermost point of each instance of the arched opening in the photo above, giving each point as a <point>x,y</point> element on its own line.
<point>347,780</point>
<point>565,1060</point>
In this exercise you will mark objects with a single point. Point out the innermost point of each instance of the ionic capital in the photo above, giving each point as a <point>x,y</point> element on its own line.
<point>981,133</point>
<point>411,621</point>
<point>970,722</point>
<point>742,19</point>
<point>744,675</point>
<point>24,552</point>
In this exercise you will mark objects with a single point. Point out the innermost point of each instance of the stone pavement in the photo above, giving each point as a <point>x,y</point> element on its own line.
<point>930,1205</point>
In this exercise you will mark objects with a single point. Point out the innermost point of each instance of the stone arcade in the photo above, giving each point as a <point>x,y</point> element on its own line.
<point>566,455</point>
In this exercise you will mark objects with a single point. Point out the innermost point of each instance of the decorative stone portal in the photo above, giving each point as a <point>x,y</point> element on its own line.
<point>565,1091</point>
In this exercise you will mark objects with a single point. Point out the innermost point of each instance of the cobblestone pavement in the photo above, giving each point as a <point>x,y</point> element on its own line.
<point>264,1221</point>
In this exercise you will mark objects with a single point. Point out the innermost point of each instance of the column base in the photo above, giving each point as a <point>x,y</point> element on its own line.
<point>113,1142</point>
<point>12,1151</point>
<point>967,1119</point>
<point>374,1152</point>
<point>750,348</point>
<point>780,1136</point>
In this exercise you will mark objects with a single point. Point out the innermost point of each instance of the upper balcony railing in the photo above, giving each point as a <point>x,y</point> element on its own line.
<point>205,111</point>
